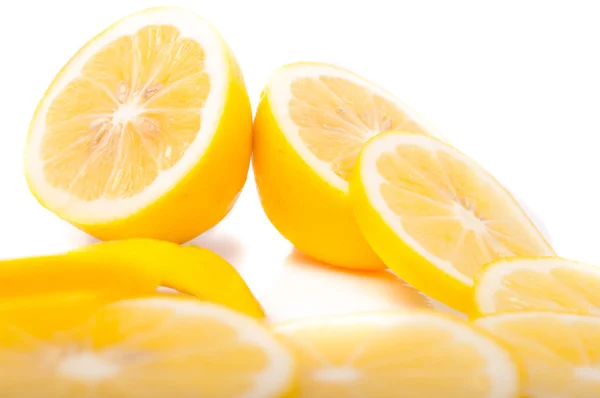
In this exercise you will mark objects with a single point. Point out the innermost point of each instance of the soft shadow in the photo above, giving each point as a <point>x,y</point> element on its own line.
<point>306,287</point>
<point>222,243</point>
<point>76,237</point>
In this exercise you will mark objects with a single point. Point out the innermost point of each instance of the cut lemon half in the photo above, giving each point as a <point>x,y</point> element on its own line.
<point>151,347</point>
<point>311,123</point>
<point>435,217</point>
<point>188,269</point>
<point>398,354</point>
<point>560,352</point>
<point>146,132</point>
<point>537,284</point>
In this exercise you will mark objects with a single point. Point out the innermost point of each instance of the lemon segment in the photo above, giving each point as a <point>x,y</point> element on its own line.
<point>311,123</point>
<point>560,352</point>
<point>151,347</point>
<point>537,284</point>
<point>146,132</point>
<point>391,354</point>
<point>434,216</point>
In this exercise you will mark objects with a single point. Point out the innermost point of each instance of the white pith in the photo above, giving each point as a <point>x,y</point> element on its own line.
<point>372,180</point>
<point>499,365</point>
<point>490,281</point>
<point>216,66</point>
<point>279,95</point>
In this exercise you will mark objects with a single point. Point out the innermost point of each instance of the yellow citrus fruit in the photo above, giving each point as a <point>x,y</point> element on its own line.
<point>537,284</point>
<point>398,354</point>
<point>187,269</point>
<point>71,274</point>
<point>560,352</point>
<point>146,132</point>
<point>150,347</point>
<point>434,216</point>
<point>311,123</point>
<point>124,269</point>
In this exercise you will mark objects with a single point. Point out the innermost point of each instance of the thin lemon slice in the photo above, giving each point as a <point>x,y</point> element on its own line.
<point>435,217</point>
<point>152,347</point>
<point>146,132</point>
<point>187,269</point>
<point>73,274</point>
<point>126,268</point>
<point>311,123</point>
<point>537,284</point>
<point>560,352</point>
<point>398,354</point>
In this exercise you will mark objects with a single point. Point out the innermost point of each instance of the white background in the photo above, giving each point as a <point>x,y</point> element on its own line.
<point>515,84</point>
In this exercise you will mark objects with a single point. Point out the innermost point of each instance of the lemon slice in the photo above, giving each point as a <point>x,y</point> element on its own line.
<point>152,347</point>
<point>125,269</point>
<point>398,354</point>
<point>538,284</point>
<point>73,273</point>
<point>311,123</point>
<point>560,352</point>
<point>187,269</point>
<point>146,132</point>
<point>435,217</point>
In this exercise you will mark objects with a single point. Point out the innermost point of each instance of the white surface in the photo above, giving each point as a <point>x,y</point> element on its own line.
<point>515,84</point>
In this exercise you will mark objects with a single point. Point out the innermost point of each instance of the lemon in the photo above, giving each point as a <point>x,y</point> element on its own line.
<point>146,132</point>
<point>560,352</point>
<point>187,269</point>
<point>435,217</point>
<point>394,354</point>
<point>148,347</point>
<point>124,269</point>
<point>311,123</point>
<point>537,284</point>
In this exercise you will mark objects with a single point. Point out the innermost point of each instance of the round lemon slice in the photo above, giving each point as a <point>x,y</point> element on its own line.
<point>560,352</point>
<point>398,354</point>
<point>151,347</point>
<point>537,284</point>
<point>435,217</point>
<point>146,132</point>
<point>311,123</point>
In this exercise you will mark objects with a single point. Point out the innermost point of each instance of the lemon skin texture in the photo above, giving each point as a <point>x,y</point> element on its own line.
<point>316,217</point>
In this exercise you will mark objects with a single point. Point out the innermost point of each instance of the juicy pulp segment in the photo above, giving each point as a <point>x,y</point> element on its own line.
<point>336,116</point>
<point>454,211</point>
<point>131,114</point>
<point>147,347</point>
<point>387,355</point>
<point>560,352</point>
<point>540,284</point>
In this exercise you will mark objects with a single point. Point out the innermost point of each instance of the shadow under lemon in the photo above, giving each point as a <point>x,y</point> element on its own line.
<point>305,287</point>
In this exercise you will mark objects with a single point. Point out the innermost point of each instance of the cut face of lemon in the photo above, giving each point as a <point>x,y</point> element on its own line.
<point>435,217</point>
<point>311,124</point>
<point>146,132</point>
<point>153,347</point>
<point>538,284</point>
<point>560,352</point>
<point>398,354</point>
